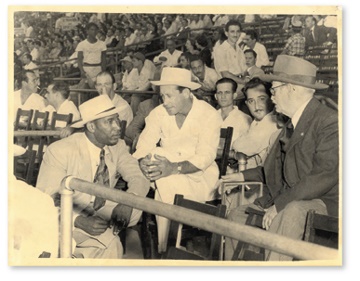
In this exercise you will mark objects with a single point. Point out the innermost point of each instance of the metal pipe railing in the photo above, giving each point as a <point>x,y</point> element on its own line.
<point>298,249</point>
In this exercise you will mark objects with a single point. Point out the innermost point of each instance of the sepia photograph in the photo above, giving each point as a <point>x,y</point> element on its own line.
<point>175,136</point>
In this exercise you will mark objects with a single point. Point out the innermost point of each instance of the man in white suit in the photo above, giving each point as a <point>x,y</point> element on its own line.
<point>80,155</point>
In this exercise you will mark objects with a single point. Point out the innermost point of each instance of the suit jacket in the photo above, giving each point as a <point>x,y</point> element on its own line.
<point>311,165</point>
<point>321,34</point>
<point>70,156</point>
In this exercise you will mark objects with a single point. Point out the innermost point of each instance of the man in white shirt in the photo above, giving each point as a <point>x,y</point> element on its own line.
<point>105,84</point>
<point>170,56</point>
<point>189,130</point>
<point>29,64</point>
<point>146,70</point>
<point>58,98</point>
<point>27,97</point>
<point>250,41</point>
<point>130,77</point>
<point>205,76</point>
<point>229,59</point>
<point>230,114</point>
<point>91,54</point>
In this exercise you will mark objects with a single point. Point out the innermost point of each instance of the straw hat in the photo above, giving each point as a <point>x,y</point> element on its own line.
<point>294,70</point>
<point>176,76</point>
<point>96,108</point>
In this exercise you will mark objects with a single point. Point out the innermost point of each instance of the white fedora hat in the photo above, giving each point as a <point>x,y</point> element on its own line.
<point>96,108</point>
<point>176,76</point>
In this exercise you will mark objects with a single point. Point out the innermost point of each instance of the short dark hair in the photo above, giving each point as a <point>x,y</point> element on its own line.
<point>195,58</point>
<point>255,82</point>
<point>23,75</point>
<point>252,33</point>
<point>105,72</point>
<point>62,88</point>
<point>202,40</point>
<point>91,24</point>
<point>223,80</point>
<point>27,55</point>
<point>232,22</point>
<point>250,51</point>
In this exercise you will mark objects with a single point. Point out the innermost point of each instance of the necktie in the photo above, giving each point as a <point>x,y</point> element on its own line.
<point>101,177</point>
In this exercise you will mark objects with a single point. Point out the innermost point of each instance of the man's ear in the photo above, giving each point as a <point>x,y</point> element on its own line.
<point>90,126</point>
<point>115,86</point>
<point>186,92</point>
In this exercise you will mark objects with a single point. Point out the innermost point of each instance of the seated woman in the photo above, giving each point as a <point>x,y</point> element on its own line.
<point>184,61</point>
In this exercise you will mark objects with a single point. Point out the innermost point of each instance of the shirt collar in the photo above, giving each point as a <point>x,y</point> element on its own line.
<point>298,113</point>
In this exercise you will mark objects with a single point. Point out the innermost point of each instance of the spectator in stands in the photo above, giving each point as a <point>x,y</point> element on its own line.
<point>302,167</point>
<point>190,47</point>
<point>205,76</point>
<point>251,42</point>
<point>28,64</point>
<point>34,50</point>
<point>160,28</point>
<point>220,20</point>
<point>196,25</point>
<point>152,33</point>
<point>229,59</point>
<point>95,219</point>
<point>207,21</point>
<point>109,37</point>
<point>130,77</point>
<point>230,114</point>
<point>91,55</point>
<point>183,32</point>
<point>27,97</point>
<point>255,142</point>
<point>218,37</point>
<point>170,56</point>
<point>184,162</point>
<point>170,25</point>
<point>316,35</point>
<point>57,96</point>
<point>130,36</point>
<point>105,85</point>
<point>184,61</point>
<point>252,70</point>
<point>57,48</point>
<point>295,45</point>
<point>146,70</point>
<point>68,49</point>
<point>202,44</point>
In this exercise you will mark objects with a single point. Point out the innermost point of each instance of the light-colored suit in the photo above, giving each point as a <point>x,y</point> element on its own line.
<point>70,156</point>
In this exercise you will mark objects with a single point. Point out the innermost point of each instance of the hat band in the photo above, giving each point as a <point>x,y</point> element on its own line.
<point>109,109</point>
<point>296,77</point>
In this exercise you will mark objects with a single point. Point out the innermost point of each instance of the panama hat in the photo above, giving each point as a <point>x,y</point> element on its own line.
<point>296,22</point>
<point>176,76</point>
<point>96,108</point>
<point>294,70</point>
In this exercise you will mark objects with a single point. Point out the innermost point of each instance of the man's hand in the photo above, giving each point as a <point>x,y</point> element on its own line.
<point>66,132</point>
<point>160,168</point>
<point>93,225</point>
<point>144,165</point>
<point>268,217</point>
<point>120,217</point>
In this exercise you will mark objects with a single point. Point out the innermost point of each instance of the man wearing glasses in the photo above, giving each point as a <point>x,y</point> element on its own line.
<point>301,171</point>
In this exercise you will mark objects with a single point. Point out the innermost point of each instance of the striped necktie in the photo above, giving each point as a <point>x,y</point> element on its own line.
<point>101,177</point>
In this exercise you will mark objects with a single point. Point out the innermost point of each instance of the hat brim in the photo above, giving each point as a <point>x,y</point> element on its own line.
<point>19,150</point>
<point>191,85</point>
<point>272,77</point>
<point>82,122</point>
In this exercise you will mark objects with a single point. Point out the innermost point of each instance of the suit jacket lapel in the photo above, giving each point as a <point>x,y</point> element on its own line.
<point>302,125</point>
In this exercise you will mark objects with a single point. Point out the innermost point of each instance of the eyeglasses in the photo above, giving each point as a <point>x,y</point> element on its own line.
<point>272,89</point>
